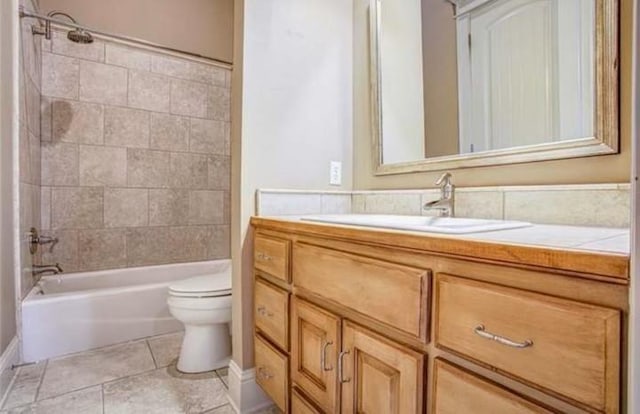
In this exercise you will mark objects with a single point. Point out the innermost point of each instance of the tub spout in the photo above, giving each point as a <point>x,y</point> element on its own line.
<point>38,270</point>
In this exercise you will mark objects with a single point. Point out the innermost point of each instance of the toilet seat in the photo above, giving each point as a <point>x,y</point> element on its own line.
<point>204,286</point>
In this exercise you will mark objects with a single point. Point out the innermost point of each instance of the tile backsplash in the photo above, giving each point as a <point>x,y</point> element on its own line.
<point>135,156</point>
<point>598,205</point>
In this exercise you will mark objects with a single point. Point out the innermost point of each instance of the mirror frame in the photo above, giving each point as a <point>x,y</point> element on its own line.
<point>606,140</point>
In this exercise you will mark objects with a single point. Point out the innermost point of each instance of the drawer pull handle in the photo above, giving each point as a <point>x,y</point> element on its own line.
<point>479,330</point>
<point>341,367</point>
<point>265,257</point>
<point>263,374</point>
<point>323,357</point>
<point>264,312</point>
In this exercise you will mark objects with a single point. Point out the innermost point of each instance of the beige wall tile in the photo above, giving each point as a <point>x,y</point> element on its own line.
<point>189,243</point>
<point>188,70</point>
<point>59,164</point>
<point>126,127</point>
<point>358,204</point>
<point>35,151</point>
<point>207,207</point>
<point>24,151</point>
<point>189,98</point>
<point>220,242</point>
<point>147,168</point>
<point>607,208</point>
<point>74,121</point>
<point>169,132</point>
<point>208,136</point>
<point>168,207</point>
<point>149,91</point>
<point>479,204</point>
<point>404,204</point>
<point>126,207</point>
<point>64,252</point>
<point>33,108</point>
<point>219,103</point>
<point>45,205</point>
<point>127,57</point>
<point>283,204</point>
<point>103,83</point>
<point>45,118</point>
<point>62,46</point>
<point>103,166</point>
<point>60,76</point>
<point>219,171</point>
<point>87,208</point>
<point>336,203</point>
<point>189,170</point>
<point>148,245</point>
<point>102,249</point>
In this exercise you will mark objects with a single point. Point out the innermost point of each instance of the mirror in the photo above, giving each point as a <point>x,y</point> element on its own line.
<point>465,83</point>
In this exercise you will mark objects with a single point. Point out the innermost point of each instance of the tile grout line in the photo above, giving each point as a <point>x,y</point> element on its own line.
<point>151,352</point>
<point>102,396</point>
<point>44,371</point>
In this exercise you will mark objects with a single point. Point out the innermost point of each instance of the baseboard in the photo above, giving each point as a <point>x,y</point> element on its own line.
<point>10,357</point>
<point>245,396</point>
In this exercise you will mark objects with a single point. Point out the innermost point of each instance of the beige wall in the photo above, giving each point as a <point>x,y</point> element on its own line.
<point>293,80</point>
<point>440,78</point>
<point>204,27</point>
<point>8,133</point>
<point>601,169</point>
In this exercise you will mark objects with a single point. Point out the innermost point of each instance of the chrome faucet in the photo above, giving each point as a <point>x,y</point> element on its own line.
<point>445,205</point>
<point>38,270</point>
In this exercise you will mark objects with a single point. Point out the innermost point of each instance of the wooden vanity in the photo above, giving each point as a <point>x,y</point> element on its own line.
<point>356,320</point>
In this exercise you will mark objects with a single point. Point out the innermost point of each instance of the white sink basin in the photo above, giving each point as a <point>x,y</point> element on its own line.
<point>446,225</point>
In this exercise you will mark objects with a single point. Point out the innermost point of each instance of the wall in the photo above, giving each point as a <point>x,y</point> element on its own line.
<point>601,169</point>
<point>204,27</point>
<point>135,156</point>
<point>8,132</point>
<point>294,116</point>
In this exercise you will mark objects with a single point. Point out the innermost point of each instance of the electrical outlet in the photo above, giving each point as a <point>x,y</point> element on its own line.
<point>335,173</point>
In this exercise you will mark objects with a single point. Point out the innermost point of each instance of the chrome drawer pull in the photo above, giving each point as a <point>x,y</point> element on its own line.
<point>265,257</point>
<point>264,312</point>
<point>341,367</point>
<point>323,357</point>
<point>264,374</point>
<point>479,330</point>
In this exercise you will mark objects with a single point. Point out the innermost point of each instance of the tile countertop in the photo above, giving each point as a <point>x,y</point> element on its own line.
<point>597,250</point>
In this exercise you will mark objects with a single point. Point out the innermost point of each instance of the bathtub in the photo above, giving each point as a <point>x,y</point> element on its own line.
<point>71,313</point>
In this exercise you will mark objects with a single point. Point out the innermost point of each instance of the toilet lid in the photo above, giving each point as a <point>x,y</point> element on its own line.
<point>215,284</point>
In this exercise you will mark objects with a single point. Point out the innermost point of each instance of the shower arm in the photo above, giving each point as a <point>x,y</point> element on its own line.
<point>24,13</point>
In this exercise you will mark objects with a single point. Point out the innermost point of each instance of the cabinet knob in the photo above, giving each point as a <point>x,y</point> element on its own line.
<point>262,310</point>
<point>264,374</point>
<point>263,256</point>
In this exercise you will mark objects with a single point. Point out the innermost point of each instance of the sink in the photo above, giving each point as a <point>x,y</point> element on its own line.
<point>445,225</point>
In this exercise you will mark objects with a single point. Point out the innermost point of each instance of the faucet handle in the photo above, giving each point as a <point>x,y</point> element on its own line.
<point>444,179</point>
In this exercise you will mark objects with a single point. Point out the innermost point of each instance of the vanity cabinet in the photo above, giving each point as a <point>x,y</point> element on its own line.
<point>352,320</point>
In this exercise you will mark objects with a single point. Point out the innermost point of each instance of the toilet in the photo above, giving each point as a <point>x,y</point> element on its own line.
<point>203,305</point>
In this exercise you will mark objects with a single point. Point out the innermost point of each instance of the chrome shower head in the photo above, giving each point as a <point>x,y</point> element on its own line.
<point>80,36</point>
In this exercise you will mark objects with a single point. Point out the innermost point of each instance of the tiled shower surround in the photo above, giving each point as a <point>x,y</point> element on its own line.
<point>135,156</point>
<point>30,57</point>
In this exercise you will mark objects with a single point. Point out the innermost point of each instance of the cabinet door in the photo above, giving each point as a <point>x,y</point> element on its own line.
<point>379,376</point>
<point>315,343</point>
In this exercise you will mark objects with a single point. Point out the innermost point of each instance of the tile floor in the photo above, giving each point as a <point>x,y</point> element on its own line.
<point>129,378</point>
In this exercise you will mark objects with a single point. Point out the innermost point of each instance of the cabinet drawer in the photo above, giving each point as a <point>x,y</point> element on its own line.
<point>458,391</point>
<point>568,348</point>
<point>272,312</point>
<point>272,372</point>
<point>272,256</point>
<point>393,294</point>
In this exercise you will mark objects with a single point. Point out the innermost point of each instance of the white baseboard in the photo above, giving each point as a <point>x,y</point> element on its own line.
<point>10,357</point>
<point>245,396</point>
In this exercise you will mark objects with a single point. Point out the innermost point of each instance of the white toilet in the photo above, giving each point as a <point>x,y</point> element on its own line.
<point>203,305</point>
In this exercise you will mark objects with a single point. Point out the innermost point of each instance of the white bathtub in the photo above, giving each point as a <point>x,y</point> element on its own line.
<point>80,311</point>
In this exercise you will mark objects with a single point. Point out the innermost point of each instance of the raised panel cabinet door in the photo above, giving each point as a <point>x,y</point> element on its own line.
<point>379,376</point>
<point>457,391</point>
<point>315,344</point>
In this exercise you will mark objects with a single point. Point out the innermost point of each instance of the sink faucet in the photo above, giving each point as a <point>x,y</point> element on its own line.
<point>445,205</point>
<point>42,269</point>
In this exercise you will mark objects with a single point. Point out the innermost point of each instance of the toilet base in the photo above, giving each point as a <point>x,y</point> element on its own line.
<point>204,348</point>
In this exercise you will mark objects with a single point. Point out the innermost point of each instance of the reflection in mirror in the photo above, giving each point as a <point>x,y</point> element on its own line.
<point>482,79</point>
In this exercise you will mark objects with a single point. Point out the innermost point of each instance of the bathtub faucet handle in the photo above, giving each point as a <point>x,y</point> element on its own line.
<point>42,269</point>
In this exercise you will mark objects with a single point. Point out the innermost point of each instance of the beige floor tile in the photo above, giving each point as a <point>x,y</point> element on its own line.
<point>165,348</point>
<point>25,387</point>
<point>95,367</point>
<point>159,393</point>
<point>223,374</point>
<point>86,401</point>
<point>225,409</point>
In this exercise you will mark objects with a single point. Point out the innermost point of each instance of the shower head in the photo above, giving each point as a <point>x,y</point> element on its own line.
<point>80,36</point>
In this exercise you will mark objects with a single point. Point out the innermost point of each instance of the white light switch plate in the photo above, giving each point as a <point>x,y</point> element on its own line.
<point>335,173</point>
